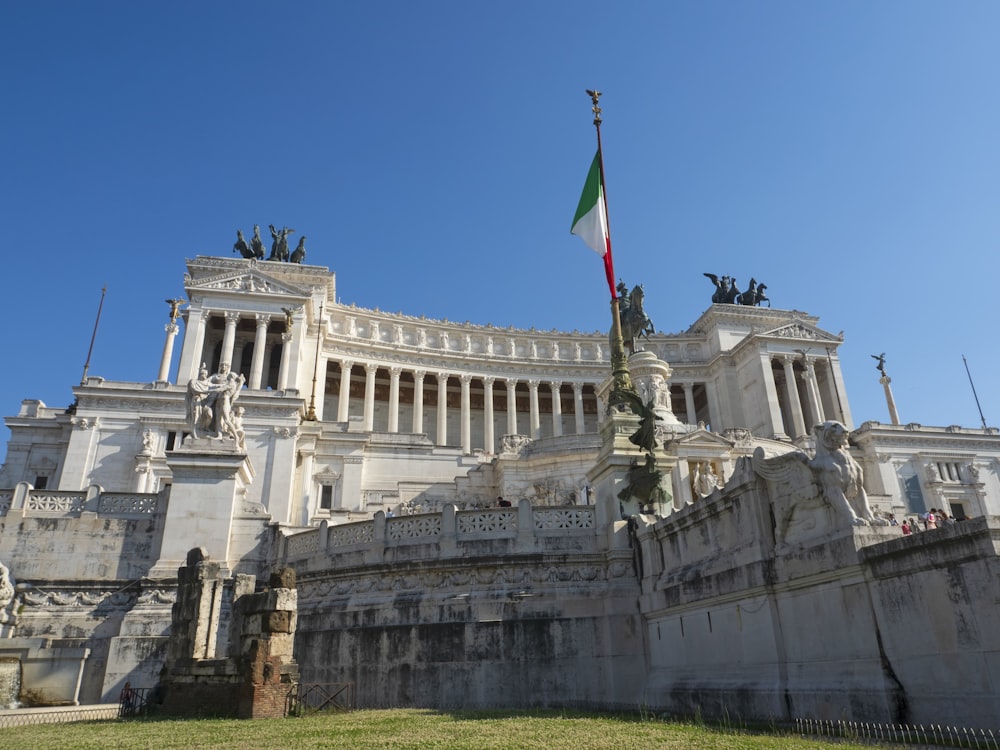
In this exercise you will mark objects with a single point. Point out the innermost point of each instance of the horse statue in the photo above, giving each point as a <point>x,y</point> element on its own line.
<point>754,294</point>
<point>279,246</point>
<point>256,243</point>
<point>241,245</point>
<point>634,321</point>
<point>726,291</point>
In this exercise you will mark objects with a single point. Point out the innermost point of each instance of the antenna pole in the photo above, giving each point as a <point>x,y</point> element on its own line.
<point>93,336</point>
<point>311,413</point>
<point>974,394</point>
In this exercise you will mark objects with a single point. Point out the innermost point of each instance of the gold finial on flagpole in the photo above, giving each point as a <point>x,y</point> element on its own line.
<point>594,95</point>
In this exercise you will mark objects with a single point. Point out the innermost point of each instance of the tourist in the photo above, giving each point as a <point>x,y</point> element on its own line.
<point>931,519</point>
<point>502,503</point>
<point>906,528</point>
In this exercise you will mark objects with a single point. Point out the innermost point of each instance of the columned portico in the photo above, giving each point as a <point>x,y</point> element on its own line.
<point>344,397</point>
<point>796,422</point>
<point>692,414</point>
<point>557,430</point>
<point>418,400</point>
<point>442,408</point>
<point>229,338</point>
<point>534,423</point>
<point>394,373</point>
<point>489,445</point>
<point>369,417</point>
<point>511,405</point>
<point>581,426</point>
<point>466,407</point>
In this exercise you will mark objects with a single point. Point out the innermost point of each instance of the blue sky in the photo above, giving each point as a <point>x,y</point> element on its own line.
<point>845,153</point>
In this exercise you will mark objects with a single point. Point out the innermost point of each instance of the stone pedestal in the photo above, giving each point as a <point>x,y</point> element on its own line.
<point>210,478</point>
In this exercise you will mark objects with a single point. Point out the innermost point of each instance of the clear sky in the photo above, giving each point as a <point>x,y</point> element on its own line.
<point>844,153</point>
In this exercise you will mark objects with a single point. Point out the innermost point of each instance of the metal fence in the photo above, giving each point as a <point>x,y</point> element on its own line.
<point>316,697</point>
<point>907,735</point>
<point>27,716</point>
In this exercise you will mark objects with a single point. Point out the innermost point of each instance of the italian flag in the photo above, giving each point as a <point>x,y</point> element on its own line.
<point>591,221</point>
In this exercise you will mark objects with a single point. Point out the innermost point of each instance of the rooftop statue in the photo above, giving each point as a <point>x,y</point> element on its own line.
<point>279,245</point>
<point>881,362</point>
<point>256,243</point>
<point>754,294</point>
<point>299,254</point>
<point>728,293</point>
<point>241,245</point>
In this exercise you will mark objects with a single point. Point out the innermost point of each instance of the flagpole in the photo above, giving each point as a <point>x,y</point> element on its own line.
<point>622,387</point>
<point>93,336</point>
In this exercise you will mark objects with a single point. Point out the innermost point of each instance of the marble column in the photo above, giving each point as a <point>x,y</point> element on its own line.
<point>792,394</point>
<point>466,381</point>
<point>229,338</point>
<point>168,352</point>
<point>773,406</point>
<point>535,424</point>
<point>259,344</point>
<point>511,405</point>
<point>369,418</point>
<point>394,373</point>
<point>581,424</point>
<point>418,401</point>
<point>306,509</point>
<point>344,397</point>
<point>812,393</point>
<point>692,414</point>
<point>556,387</point>
<point>488,440</point>
<point>442,409</point>
<point>192,352</point>
<point>286,358</point>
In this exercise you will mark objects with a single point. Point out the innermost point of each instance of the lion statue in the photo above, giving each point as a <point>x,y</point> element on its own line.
<point>840,476</point>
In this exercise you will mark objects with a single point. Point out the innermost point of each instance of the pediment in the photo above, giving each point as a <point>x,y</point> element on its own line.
<point>702,438</point>
<point>252,282</point>
<point>800,330</point>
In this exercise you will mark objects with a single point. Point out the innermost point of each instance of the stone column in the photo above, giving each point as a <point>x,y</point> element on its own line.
<point>771,392</point>
<point>418,401</point>
<point>305,509</point>
<point>535,424</point>
<point>344,397</point>
<point>885,380</point>
<point>229,338</point>
<point>511,406</point>
<point>488,440</point>
<point>168,351</point>
<point>812,393</point>
<point>286,358</point>
<point>792,393</point>
<point>259,344</point>
<point>442,410</point>
<point>370,370</point>
<point>556,387</point>
<point>581,424</point>
<point>394,373</point>
<point>692,414</point>
<point>194,341</point>
<point>466,380</point>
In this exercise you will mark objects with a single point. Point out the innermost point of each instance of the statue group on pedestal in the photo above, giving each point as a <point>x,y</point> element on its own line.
<point>728,293</point>
<point>210,405</point>
<point>634,321</point>
<point>279,245</point>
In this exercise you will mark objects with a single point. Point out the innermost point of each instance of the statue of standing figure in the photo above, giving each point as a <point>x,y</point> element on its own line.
<point>279,246</point>
<point>210,403</point>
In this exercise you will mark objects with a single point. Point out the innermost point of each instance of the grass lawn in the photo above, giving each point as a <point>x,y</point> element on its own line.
<point>402,728</point>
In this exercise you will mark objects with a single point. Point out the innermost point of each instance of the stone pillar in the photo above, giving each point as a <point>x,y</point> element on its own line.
<point>286,358</point>
<point>511,406</point>
<point>773,406</point>
<point>792,393</point>
<point>394,373</point>
<point>194,341</point>
<point>714,409</point>
<point>581,424</point>
<point>488,439</point>
<point>344,398</point>
<point>168,351</point>
<point>885,380</point>
<point>442,410</point>
<point>305,509</point>
<point>812,393</point>
<point>259,344</point>
<point>692,414</point>
<point>535,424</point>
<point>229,338</point>
<point>370,370</point>
<point>465,379</point>
<point>556,387</point>
<point>418,401</point>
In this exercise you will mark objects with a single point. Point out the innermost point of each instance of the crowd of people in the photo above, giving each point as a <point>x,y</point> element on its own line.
<point>932,519</point>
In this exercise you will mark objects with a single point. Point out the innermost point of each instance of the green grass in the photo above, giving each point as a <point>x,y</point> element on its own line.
<point>403,728</point>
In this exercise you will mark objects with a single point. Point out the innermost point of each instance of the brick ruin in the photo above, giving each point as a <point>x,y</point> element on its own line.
<point>252,673</point>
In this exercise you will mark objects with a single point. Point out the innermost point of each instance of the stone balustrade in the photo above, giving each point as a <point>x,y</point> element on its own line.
<point>450,532</point>
<point>27,500</point>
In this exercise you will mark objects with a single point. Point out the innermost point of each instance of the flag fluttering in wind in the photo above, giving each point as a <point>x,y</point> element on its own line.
<point>591,221</point>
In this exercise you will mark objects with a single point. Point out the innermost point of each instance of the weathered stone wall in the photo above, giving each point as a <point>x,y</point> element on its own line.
<point>502,607</point>
<point>861,624</point>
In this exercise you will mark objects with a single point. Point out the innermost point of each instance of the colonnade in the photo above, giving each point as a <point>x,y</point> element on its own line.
<point>492,394</point>
<point>803,397</point>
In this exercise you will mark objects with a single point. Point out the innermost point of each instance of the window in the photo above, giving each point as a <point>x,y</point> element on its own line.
<point>41,482</point>
<point>326,497</point>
